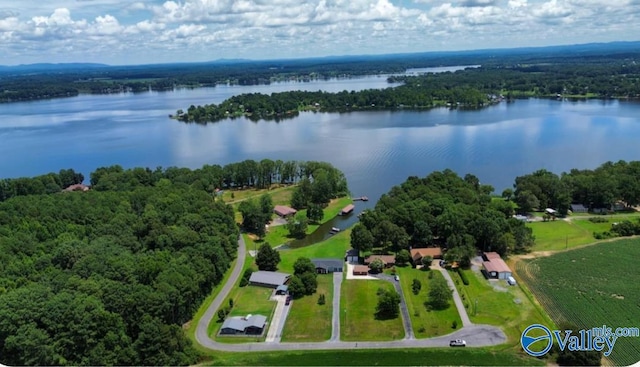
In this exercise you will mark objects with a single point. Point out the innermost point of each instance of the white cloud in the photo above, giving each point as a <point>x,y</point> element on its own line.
<point>183,30</point>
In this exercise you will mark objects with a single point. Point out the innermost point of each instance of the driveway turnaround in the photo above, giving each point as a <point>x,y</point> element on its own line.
<point>474,335</point>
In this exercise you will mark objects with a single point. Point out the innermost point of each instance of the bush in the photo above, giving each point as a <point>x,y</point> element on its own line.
<point>416,286</point>
<point>463,277</point>
<point>598,220</point>
<point>454,324</point>
<point>321,299</point>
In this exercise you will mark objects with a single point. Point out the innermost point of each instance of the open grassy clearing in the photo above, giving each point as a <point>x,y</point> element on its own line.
<point>374,357</point>
<point>357,317</point>
<point>426,323</point>
<point>499,304</point>
<point>308,321</point>
<point>589,287</point>
<point>280,194</point>
<point>559,235</point>
<point>333,247</point>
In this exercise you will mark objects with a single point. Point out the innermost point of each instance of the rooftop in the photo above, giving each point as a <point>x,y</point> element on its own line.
<point>269,277</point>
<point>283,210</point>
<point>386,259</point>
<point>417,253</point>
<point>495,263</point>
<point>240,323</point>
<point>328,263</point>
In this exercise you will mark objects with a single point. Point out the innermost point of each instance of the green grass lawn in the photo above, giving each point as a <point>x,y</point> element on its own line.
<point>333,247</point>
<point>374,357</point>
<point>426,323</point>
<point>508,307</point>
<point>591,227</point>
<point>591,286</point>
<point>358,305</point>
<point>308,321</point>
<point>558,235</point>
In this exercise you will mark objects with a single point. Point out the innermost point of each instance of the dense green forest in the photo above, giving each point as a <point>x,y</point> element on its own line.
<point>109,276</point>
<point>597,189</point>
<point>442,209</point>
<point>599,66</point>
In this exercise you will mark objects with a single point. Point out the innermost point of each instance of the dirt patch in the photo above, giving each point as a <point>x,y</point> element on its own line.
<point>617,296</point>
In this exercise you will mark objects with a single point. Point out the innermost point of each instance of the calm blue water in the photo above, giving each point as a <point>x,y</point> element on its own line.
<point>376,150</point>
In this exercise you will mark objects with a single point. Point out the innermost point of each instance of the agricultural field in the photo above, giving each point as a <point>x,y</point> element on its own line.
<point>357,317</point>
<point>308,321</point>
<point>426,323</point>
<point>589,287</point>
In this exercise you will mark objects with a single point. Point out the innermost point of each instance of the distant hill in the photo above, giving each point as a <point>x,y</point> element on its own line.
<point>49,67</point>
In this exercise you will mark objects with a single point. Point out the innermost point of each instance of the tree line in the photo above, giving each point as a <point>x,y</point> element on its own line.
<point>108,277</point>
<point>248,173</point>
<point>597,189</point>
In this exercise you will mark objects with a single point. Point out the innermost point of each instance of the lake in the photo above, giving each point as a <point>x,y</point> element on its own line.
<point>375,150</point>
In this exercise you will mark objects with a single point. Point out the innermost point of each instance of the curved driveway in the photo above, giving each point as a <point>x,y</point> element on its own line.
<point>475,335</point>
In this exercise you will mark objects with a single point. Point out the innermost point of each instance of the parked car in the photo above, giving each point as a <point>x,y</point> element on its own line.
<point>511,281</point>
<point>287,301</point>
<point>458,343</point>
<point>397,278</point>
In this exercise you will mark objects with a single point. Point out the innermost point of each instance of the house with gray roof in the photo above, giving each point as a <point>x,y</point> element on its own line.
<point>247,325</point>
<point>269,279</point>
<point>325,266</point>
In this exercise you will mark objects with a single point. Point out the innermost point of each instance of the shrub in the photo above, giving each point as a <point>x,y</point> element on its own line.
<point>463,276</point>
<point>598,220</point>
<point>454,324</point>
<point>321,299</point>
<point>416,285</point>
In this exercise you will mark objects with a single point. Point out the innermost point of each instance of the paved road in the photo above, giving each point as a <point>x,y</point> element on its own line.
<point>475,335</point>
<point>335,318</point>
<point>456,297</point>
<point>404,311</point>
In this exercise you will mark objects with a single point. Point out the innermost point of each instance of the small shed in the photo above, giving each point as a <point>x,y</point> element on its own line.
<point>325,266</point>
<point>360,270</point>
<point>269,279</point>
<point>550,211</point>
<point>347,209</point>
<point>284,211</point>
<point>352,256</point>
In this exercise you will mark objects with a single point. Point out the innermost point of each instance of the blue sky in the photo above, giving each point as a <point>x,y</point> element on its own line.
<point>158,31</point>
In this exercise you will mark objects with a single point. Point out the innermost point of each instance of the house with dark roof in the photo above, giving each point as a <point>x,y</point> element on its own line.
<point>269,279</point>
<point>246,325</point>
<point>578,208</point>
<point>387,260</point>
<point>494,266</point>
<point>325,266</point>
<point>418,253</point>
<point>284,211</point>
<point>352,256</point>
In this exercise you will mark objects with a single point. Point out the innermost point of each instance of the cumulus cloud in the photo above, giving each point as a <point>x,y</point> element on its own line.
<point>100,30</point>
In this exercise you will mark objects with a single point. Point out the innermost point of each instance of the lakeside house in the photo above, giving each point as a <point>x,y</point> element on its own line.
<point>494,266</point>
<point>244,325</point>
<point>387,260</point>
<point>418,253</point>
<point>284,211</point>
<point>77,187</point>
<point>578,208</point>
<point>326,266</point>
<point>269,279</point>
